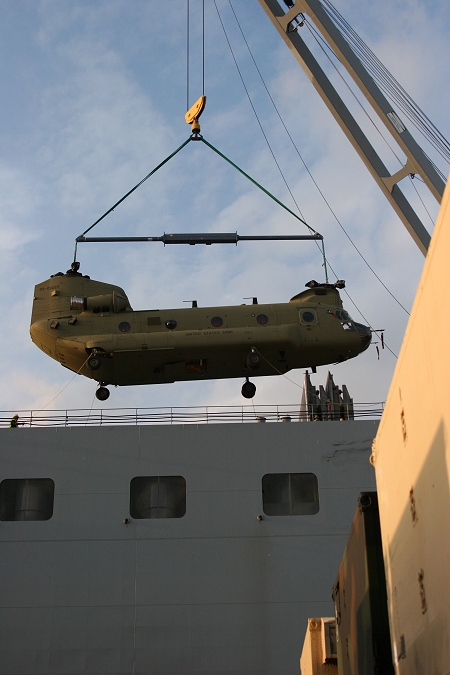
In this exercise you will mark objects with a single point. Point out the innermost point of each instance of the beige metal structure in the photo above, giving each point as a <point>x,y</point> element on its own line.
<point>319,656</point>
<point>412,460</point>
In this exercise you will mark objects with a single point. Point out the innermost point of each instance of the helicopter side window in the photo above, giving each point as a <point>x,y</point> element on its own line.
<point>308,317</point>
<point>290,494</point>
<point>157,497</point>
<point>26,498</point>
<point>262,319</point>
<point>153,321</point>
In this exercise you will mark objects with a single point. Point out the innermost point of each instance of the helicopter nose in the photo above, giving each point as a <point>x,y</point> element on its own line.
<point>365,335</point>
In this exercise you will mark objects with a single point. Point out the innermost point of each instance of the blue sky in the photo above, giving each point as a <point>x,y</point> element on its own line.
<point>94,96</point>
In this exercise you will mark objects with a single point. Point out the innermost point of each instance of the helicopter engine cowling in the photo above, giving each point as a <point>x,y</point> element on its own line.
<point>100,303</point>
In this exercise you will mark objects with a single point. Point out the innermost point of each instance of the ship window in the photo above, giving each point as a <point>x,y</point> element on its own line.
<point>158,497</point>
<point>290,494</point>
<point>26,498</point>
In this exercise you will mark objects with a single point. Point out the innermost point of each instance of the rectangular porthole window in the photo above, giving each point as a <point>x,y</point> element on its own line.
<point>26,499</point>
<point>290,494</point>
<point>158,497</point>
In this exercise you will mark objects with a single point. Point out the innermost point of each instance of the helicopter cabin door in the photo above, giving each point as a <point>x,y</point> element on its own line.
<point>309,322</point>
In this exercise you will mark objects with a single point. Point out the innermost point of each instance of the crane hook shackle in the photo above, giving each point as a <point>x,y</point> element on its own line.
<point>193,114</point>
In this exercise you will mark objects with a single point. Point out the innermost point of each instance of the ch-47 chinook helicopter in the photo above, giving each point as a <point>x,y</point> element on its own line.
<point>90,328</point>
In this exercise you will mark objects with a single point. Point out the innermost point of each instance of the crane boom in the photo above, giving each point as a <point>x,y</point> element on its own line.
<point>416,160</point>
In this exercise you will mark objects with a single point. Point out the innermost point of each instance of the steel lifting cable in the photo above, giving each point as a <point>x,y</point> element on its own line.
<point>309,172</point>
<point>389,84</point>
<point>326,262</point>
<point>130,191</point>
<point>203,47</point>
<point>65,387</point>
<point>321,245</point>
<point>188,51</point>
<point>251,103</point>
<point>252,180</point>
<point>322,43</point>
<point>388,91</point>
<point>198,137</point>
<point>262,129</point>
<point>324,46</point>
<point>187,55</point>
<point>385,79</point>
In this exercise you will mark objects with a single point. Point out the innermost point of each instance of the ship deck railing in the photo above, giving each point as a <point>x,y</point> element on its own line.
<point>190,415</point>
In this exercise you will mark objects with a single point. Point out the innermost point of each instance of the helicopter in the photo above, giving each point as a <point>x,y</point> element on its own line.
<point>90,328</point>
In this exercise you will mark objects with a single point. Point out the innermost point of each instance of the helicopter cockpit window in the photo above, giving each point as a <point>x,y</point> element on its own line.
<point>343,315</point>
<point>290,494</point>
<point>158,497</point>
<point>346,320</point>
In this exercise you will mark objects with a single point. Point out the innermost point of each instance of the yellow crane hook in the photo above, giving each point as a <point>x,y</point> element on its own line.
<point>193,114</point>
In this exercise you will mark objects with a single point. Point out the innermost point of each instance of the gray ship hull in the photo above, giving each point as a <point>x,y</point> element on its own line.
<point>217,591</point>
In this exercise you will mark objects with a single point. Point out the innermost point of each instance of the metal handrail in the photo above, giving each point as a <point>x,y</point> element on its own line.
<point>181,415</point>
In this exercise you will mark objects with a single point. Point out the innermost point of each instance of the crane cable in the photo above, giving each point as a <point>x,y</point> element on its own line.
<point>389,84</point>
<point>321,42</point>
<point>188,50</point>
<point>322,245</point>
<point>310,174</point>
<point>187,55</point>
<point>65,387</point>
<point>253,108</point>
<point>197,137</point>
<point>129,193</point>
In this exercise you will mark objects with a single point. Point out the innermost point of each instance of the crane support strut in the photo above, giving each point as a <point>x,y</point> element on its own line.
<point>417,162</point>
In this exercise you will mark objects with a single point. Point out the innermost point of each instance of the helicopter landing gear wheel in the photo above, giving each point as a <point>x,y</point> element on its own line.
<point>102,393</point>
<point>94,362</point>
<point>253,360</point>
<point>248,389</point>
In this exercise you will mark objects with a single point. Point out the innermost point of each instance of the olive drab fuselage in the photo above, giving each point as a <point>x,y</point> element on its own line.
<point>90,328</point>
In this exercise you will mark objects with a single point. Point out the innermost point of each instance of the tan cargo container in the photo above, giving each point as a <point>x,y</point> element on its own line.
<point>411,455</point>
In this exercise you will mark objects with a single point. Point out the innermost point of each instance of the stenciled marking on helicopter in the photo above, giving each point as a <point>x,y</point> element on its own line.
<point>49,288</point>
<point>208,332</point>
